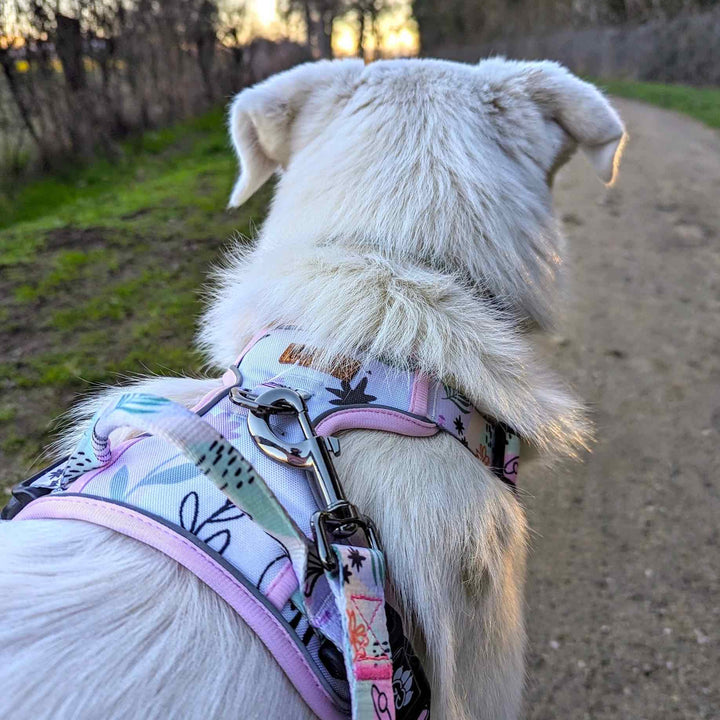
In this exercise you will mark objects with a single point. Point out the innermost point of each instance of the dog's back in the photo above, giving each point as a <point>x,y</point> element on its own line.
<point>412,223</point>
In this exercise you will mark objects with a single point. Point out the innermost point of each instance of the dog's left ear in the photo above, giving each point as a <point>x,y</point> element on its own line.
<point>582,111</point>
<point>263,119</point>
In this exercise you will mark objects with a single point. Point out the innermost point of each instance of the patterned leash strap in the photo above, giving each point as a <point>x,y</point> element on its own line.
<point>348,607</point>
<point>358,586</point>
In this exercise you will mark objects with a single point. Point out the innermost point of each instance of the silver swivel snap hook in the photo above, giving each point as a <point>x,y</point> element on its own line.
<point>337,517</point>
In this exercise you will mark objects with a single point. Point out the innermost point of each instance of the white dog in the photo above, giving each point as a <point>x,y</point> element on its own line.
<point>412,222</point>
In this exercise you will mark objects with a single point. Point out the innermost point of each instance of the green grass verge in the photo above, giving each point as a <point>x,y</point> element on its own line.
<point>101,272</point>
<point>76,188</point>
<point>700,103</point>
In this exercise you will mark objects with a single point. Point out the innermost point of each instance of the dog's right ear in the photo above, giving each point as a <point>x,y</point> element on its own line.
<point>263,117</point>
<point>582,111</point>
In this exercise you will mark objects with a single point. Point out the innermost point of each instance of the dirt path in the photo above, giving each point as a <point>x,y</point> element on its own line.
<point>624,591</point>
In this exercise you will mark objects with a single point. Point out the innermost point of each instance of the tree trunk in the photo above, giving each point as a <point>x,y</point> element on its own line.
<point>361,35</point>
<point>205,41</point>
<point>325,35</point>
<point>206,58</point>
<point>70,51</point>
<point>375,32</point>
<point>8,69</point>
<point>319,22</point>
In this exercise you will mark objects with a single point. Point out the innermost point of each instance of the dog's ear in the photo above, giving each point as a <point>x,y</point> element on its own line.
<point>262,119</point>
<point>572,112</point>
<point>582,111</point>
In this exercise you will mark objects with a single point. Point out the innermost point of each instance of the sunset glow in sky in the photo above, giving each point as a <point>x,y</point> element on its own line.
<point>265,11</point>
<point>398,32</point>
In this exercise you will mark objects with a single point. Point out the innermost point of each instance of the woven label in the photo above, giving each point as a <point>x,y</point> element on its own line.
<point>342,368</point>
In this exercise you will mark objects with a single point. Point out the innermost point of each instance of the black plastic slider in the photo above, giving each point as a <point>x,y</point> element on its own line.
<point>22,495</point>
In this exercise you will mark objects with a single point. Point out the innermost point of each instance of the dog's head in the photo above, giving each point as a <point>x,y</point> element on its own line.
<point>446,164</point>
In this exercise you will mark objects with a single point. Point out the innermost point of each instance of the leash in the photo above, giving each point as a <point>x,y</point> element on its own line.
<point>341,586</point>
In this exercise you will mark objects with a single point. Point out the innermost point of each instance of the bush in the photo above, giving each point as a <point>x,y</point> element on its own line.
<point>685,49</point>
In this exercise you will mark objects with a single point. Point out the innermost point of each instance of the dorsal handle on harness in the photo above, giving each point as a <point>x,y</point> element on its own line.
<point>337,517</point>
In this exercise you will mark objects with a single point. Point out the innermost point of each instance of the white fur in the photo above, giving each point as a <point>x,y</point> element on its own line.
<point>412,222</point>
<point>98,626</point>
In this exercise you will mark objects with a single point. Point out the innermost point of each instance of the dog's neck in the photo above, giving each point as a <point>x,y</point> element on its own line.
<point>363,305</point>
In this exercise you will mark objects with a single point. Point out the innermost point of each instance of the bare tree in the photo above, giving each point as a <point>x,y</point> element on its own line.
<point>76,75</point>
<point>232,23</point>
<point>202,33</point>
<point>368,14</point>
<point>319,18</point>
<point>69,46</point>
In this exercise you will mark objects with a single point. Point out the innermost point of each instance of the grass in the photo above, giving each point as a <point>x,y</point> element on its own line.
<point>77,188</point>
<point>101,270</point>
<point>703,104</point>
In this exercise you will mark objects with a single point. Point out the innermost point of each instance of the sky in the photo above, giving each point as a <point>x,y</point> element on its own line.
<point>397,29</point>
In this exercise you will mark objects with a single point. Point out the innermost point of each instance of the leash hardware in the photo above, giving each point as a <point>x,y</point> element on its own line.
<point>312,453</point>
<point>339,518</point>
<point>341,521</point>
<point>250,401</point>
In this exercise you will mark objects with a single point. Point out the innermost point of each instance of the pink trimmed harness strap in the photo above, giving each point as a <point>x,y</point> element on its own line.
<point>274,633</point>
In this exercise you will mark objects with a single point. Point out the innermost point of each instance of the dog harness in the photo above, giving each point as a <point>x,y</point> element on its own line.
<point>272,533</point>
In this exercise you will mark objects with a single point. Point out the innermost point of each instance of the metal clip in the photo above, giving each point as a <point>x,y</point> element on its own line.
<point>338,517</point>
<point>341,521</point>
<point>248,400</point>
